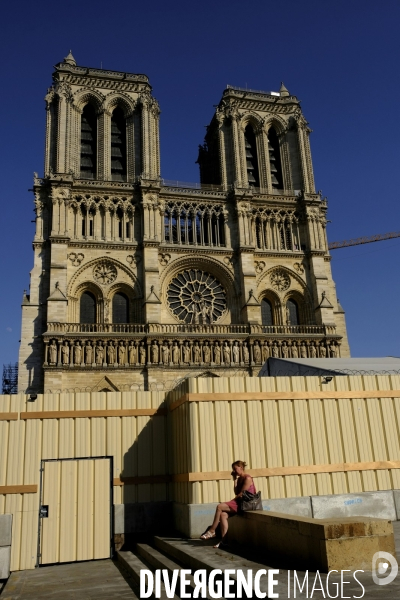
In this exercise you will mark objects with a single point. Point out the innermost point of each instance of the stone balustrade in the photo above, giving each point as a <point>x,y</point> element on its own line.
<point>180,328</point>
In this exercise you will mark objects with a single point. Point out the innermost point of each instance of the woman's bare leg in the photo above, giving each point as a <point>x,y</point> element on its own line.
<point>221,508</point>
<point>224,524</point>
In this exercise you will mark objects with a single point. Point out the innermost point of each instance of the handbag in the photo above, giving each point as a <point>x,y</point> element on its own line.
<point>250,501</point>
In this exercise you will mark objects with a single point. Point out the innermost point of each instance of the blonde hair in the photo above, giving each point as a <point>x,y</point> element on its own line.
<point>239,463</point>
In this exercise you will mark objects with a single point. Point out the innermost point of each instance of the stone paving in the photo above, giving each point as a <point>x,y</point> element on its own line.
<point>100,580</point>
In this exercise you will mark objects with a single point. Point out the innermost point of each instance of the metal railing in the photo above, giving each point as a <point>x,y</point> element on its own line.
<point>276,192</point>
<point>241,89</point>
<point>193,186</point>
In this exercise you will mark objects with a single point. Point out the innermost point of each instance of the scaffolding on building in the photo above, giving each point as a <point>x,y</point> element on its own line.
<point>10,379</point>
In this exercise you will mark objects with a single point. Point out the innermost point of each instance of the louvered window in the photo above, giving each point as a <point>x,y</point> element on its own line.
<point>118,146</point>
<point>251,157</point>
<point>275,160</point>
<point>266,312</point>
<point>88,142</point>
<point>88,308</point>
<point>120,306</point>
<point>293,312</point>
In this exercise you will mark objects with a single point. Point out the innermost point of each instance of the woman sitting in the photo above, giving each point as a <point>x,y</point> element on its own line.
<point>225,510</point>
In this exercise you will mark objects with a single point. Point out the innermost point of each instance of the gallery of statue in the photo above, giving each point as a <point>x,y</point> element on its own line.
<point>138,281</point>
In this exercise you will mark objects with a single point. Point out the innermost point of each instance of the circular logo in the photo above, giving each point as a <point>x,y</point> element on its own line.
<point>381,561</point>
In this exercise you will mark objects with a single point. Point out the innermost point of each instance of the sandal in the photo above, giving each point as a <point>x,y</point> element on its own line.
<point>207,535</point>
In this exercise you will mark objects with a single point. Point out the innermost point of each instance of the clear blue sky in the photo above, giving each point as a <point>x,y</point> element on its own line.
<point>341,59</point>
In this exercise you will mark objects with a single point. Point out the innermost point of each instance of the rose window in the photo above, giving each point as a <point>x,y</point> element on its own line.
<point>105,273</point>
<point>196,297</point>
<point>280,280</point>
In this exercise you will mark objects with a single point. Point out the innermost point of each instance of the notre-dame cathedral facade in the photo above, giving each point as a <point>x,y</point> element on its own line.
<point>137,281</point>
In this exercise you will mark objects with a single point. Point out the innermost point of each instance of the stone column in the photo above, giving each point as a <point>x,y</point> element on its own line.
<point>191,351</point>
<point>71,353</point>
<point>251,344</point>
<point>46,352</point>
<point>59,353</point>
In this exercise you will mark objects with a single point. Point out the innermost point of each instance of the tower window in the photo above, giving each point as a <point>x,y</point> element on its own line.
<point>88,308</point>
<point>88,142</point>
<point>275,160</point>
<point>118,146</point>
<point>292,312</point>
<point>266,312</point>
<point>120,308</point>
<point>251,157</point>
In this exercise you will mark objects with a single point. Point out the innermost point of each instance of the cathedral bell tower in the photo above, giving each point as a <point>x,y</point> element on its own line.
<point>102,138</point>
<point>257,145</point>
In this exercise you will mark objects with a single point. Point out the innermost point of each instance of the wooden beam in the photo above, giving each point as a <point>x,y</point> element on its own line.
<point>294,470</point>
<point>91,414</point>
<point>11,416</point>
<point>18,489</point>
<point>142,479</point>
<point>257,396</point>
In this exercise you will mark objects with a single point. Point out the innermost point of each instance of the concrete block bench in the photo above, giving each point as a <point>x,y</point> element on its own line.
<point>5,545</point>
<point>323,544</point>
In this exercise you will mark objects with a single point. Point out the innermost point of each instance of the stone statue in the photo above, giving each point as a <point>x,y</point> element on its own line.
<point>227,354</point>
<point>210,314</point>
<point>217,354</point>
<point>53,353</point>
<point>295,353</point>
<point>165,354</point>
<point>204,313</point>
<point>275,351</point>
<point>285,351</point>
<point>110,354</point>
<point>257,353</point>
<point>142,352</point>
<point>175,354</point>
<point>77,354</point>
<point>206,352</point>
<point>186,353</point>
<point>246,355</point>
<point>121,353</point>
<point>195,314</point>
<point>132,353</point>
<point>99,354</point>
<point>322,352</point>
<point>196,353</point>
<point>89,353</point>
<point>65,354</point>
<point>333,351</point>
<point>313,351</point>
<point>154,353</point>
<point>303,351</point>
<point>236,353</point>
<point>265,351</point>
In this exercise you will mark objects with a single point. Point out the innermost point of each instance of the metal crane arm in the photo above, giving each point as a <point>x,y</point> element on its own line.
<point>380,237</point>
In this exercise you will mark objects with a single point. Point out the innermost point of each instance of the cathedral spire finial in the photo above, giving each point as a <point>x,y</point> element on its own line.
<point>70,59</point>
<point>283,90</point>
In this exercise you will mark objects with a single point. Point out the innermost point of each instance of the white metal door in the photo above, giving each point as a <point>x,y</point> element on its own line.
<point>76,509</point>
